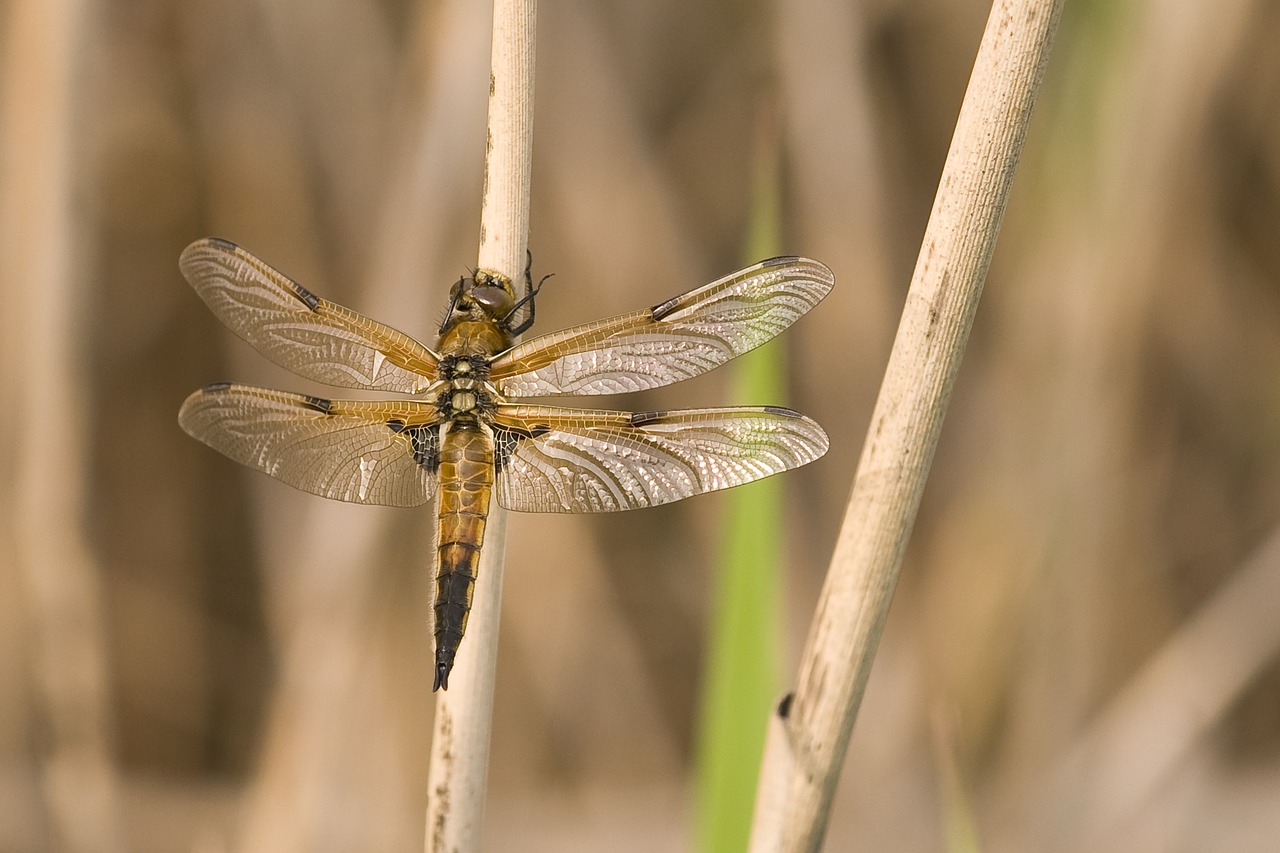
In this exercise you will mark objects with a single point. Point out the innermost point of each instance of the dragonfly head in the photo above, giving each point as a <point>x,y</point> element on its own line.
<point>483,297</point>
<point>493,295</point>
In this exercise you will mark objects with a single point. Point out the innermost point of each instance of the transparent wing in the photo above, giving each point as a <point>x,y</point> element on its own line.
<point>372,453</point>
<point>296,329</point>
<point>576,460</point>
<point>680,338</point>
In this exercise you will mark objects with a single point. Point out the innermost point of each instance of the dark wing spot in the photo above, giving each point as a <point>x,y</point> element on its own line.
<point>425,441</point>
<point>784,707</point>
<point>783,411</point>
<point>639,419</point>
<point>223,244</point>
<point>320,404</point>
<point>396,425</point>
<point>215,387</point>
<point>308,298</point>
<point>661,311</point>
<point>780,260</point>
<point>504,444</point>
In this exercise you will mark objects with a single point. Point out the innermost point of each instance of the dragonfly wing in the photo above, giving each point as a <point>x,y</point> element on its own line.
<point>575,460</point>
<point>382,453</point>
<point>296,329</point>
<point>680,338</point>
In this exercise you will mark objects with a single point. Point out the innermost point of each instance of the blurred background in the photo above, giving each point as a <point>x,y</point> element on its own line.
<point>1082,653</point>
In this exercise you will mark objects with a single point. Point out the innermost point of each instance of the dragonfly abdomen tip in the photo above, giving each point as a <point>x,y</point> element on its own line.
<point>442,675</point>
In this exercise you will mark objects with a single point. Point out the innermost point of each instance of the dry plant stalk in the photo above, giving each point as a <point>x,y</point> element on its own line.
<point>1135,742</point>
<point>61,599</point>
<point>460,743</point>
<point>809,734</point>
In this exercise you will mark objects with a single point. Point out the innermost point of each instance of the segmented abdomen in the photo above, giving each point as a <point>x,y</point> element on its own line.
<point>466,484</point>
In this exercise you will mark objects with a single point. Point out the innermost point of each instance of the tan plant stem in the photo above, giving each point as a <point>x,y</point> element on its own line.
<point>44,376</point>
<point>460,745</point>
<point>807,743</point>
<point>1135,743</point>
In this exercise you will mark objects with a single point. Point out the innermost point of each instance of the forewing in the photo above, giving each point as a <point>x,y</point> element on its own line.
<point>372,453</point>
<point>680,338</point>
<point>576,460</point>
<point>298,330</point>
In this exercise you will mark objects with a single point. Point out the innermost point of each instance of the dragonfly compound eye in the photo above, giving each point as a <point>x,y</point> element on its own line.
<point>495,301</point>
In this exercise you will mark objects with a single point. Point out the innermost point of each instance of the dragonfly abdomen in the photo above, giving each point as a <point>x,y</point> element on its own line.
<point>466,485</point>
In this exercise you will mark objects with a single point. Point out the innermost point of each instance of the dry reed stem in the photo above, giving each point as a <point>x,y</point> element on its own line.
<point>1163,711</point>
<point>464,713</point>
<point>1107,283</point>
<point>326,735</point>
<point>810,734</point>
<point>57,575</point>
<point>318,749</point>
<point>321,555</point>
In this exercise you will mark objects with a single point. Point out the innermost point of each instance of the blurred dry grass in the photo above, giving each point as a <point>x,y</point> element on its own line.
<point>1083,649</point>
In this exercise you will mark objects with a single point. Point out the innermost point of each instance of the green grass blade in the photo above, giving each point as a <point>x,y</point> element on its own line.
<point>742,669</point>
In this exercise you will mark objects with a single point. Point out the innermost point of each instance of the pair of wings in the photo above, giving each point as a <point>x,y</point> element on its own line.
<point>550,459</point>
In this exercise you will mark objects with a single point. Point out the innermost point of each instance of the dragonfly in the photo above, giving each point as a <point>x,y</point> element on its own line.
<point>460,431</point>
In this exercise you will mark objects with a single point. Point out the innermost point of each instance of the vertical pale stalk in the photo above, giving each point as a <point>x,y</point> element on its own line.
<point>44,373</point>
<point>810,733</point>
<point>464,712</point>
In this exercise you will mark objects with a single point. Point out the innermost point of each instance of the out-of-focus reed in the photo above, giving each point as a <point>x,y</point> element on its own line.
<point>1110,460</point>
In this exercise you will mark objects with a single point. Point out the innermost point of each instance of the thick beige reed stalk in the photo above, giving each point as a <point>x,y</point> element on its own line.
<point>809,735</point>
<point>43,374</point>
<point>460,744</point>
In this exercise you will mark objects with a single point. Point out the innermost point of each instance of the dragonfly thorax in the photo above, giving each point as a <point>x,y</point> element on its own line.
<point>460,369</point>
<point>463,399</point>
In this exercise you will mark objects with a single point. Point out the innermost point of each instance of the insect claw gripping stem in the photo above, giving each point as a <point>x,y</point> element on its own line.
<point>528,299</point>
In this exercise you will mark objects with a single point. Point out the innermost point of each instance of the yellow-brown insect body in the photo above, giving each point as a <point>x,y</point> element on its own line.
<point>470,337</point>
<point>466,485</point>
<point>460,436</point>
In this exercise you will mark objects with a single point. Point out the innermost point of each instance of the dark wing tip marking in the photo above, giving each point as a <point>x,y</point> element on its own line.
<point>222,243</point>
<point>639,419</point>
<point>305,296</point>
<point>215,387</point>
<point>320,404</point>
<point>661,310</point>
<point>784,707</point>
<point>783,411</point>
